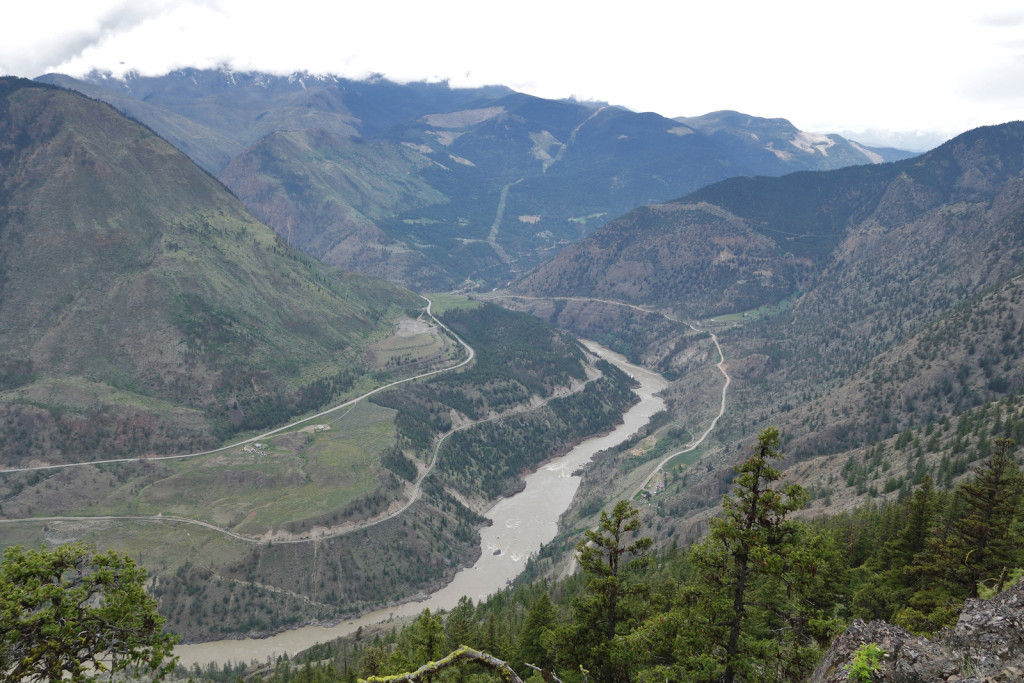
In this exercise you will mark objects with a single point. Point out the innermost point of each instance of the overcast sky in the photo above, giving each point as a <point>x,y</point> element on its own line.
<point>889,65</point>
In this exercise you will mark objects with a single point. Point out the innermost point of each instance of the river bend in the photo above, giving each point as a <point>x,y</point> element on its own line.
<point>521,525</point>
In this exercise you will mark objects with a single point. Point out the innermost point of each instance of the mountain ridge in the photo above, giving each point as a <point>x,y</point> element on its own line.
<point>471,186</point>
<point>852,306</point>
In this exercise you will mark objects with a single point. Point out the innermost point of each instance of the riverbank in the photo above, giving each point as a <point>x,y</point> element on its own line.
<point>520,525</point>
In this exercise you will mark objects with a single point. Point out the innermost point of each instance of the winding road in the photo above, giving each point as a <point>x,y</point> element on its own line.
<point>280,537</point>
<point>324,533</point>
<point>351,402</point>
<point>317,533</point>
<point>699,440</point>
<point>721,365</point>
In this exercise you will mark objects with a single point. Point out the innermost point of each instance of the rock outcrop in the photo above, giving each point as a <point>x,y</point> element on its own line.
<point>985,646</point>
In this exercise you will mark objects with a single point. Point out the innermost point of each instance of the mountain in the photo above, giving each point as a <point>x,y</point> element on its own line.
<point>144,309</point>
<point>864,311</point>
<point>146,312</point>
<point>435,187</point>
<point>757,241</point>
<point>780,139</point>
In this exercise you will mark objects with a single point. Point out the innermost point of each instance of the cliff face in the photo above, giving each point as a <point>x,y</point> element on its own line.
<point>986,645</point>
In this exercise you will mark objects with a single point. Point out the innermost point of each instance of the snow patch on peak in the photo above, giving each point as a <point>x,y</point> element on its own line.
<point>781,154</point>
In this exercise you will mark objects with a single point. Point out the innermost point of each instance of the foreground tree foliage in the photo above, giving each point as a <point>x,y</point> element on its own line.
<point>755,606</point>
<point>71,612</point>
<point>950,546</point>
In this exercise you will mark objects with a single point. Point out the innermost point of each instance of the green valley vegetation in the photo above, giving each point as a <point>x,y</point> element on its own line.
<point>759,599</point>
<point>524,358</point>
<point>300,502</point>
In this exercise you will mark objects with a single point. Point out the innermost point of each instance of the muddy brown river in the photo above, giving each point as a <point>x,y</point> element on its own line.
<point>521,524</point>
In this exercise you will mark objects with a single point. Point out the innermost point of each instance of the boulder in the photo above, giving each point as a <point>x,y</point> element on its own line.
<point>985,646</point>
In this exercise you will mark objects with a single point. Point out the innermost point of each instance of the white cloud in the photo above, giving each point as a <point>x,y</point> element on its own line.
<point>880,64</point>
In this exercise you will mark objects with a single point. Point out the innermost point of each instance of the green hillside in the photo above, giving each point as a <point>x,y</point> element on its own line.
<point>136,288</point>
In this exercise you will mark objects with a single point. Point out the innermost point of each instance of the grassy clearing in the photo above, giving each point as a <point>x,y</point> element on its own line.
<point>446,302</point>
<point>413,342</point>
<point>760,313</point>
<point>79,393</point>
<point>296,476</point>
<point>684,460</point>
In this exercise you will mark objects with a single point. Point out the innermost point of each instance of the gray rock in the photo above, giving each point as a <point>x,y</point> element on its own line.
<point>985,646</point>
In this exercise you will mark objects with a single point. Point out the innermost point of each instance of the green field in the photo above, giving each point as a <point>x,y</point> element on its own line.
<point>759,313</point>
<point>298,475</point>
<point>447,302</point>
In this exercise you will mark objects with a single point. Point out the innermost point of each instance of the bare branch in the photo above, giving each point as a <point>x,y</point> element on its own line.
<point>462,653</point>
<point>545,674</point>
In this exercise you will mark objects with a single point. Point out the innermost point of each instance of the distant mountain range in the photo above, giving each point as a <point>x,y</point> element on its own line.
<point>864,303</point>
<point>434,187</point>
<point>752,242</point>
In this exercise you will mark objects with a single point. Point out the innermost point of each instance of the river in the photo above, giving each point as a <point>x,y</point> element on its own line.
<point>521,525</point>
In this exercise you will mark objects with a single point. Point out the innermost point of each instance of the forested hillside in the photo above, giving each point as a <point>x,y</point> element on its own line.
<point>858,303</point>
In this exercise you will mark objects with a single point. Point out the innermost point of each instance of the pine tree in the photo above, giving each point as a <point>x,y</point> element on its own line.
<point>974,541</point>
<point>458,627</point>
<point>982,545</point>
<point>539,620</point>
<point>613,600</point>
<point>752,530</point>
<point>752,581</point>
<point>914,536</point>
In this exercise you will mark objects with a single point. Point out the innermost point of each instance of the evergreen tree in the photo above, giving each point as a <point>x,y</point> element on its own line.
<point>614,599</point>
<point>982,546</point>
<point>428,639</point>
<point>71,611</point>
<point>752,531</point>
<point>974,541</point>
<point>754,577</point>
<point>914,537</point>
<point>531,648</point>
<point>458,626</point>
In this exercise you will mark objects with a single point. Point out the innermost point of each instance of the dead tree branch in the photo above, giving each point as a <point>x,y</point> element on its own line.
<point>463,653</point>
